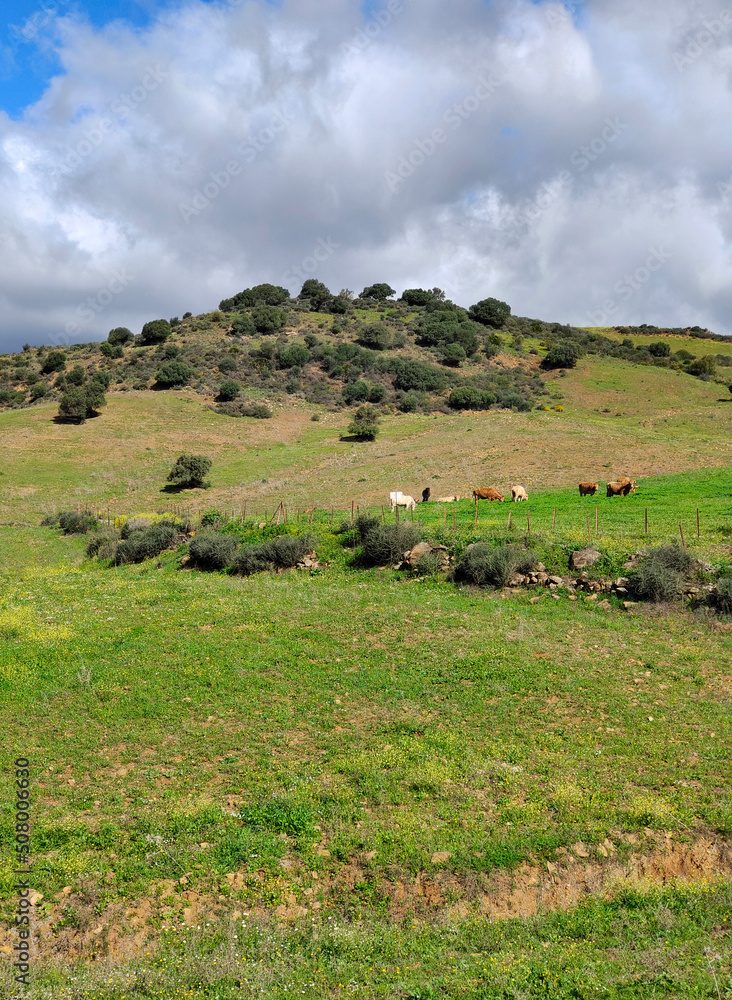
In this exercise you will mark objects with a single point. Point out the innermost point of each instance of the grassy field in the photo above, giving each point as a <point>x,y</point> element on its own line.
<point>354,782</point>
<point>697,346</point>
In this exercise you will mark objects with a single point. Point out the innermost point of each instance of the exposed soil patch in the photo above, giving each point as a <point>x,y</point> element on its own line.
<point>124,929</point>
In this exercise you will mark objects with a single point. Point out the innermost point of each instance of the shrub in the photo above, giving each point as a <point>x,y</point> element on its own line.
<point>211,550</point>
<point>227,364</point>
<point>120,335</point>
<point>453,354</point>
<point>268,319</point>
<point>380,291</point>
<point>469,397</point>
<point>266,294</point>
<point>365,423</point>
<point>174,373</point>
<point>293,356</point>
<point>661,573</point>
<point>416,375</point>
<point>417,296</point>
<point>228,390</point>
<point>490,312</point>
<point>72,522</point>
<point>133,524</point>
<point>376,336</point>
<point>155,331</point>
<point>563,355</point>
<point>39,390</point>
<point>54,361</point>
<point>383,544</point>
<point>484,565</point>
<point>355,392</point>
<point>103,544</point>
<point>430,564</point>
<point>723,597</point>
<point>243,326</point>
<point>317,294</point>
<point>80,402</point>
<point>77,376</point>
<point>146,543</point>
<point>111,350</point>
<point>278,553</point>
<point>189,470</point>
<point>659,349</point>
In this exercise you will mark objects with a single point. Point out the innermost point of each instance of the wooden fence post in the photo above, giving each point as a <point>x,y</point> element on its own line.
<point>554,520</point>
<point>352,506</point>
<point>683,541</point>
<point>597,515</point>
<point>646,520</point>
<point>312,512</point>
<point>698,531</point>
<point>589,534</point>
<point>508,523</point>
<point>528,522</point>
<point>383,516</point>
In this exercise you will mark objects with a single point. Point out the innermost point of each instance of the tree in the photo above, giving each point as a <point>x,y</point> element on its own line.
<point>120,335</point>
<point>316,293</point>
<point>659,349</point>
<point>111,350</point>
<point>268,319</point>
<point>268,295</point>
<point>228,390</point>
<point>189,471</point>
<point>416,296</point>
<point>156,331</point>
<point>380,291</point>
<point>174,373</point>
<point>490,312</point>
<point>365,423</point>
<point>80,402</point>
<point>54,361</point>
<point>242,325</point>
<point>563,355</point>
<point>704,367</point>
<point>77,376</point>
<point>453,354</point>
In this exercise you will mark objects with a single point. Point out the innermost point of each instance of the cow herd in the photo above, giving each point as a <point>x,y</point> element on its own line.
<point>618,488</point>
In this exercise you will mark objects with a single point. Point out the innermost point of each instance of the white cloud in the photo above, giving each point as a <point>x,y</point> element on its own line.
<point>214,150</point>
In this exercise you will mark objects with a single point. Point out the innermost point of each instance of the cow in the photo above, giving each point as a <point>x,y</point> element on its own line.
<point>447,499</point>
<point>624,482</point>
<point>486,493</point>
<point>399,499</point>
<point>587,489</point>
<point>518,493</point>
<point>620,489</point>
<point>426,494</point>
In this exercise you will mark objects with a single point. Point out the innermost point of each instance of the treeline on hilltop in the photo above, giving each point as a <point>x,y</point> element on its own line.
<point>418,352</point>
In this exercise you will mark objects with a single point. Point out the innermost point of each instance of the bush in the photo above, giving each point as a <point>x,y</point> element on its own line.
<point>268,319</point>
<point>365,423</point>
<point>468,397</point>
<point>146,543</point>
<point>211,550</point>
<point>228,390</point>
<point>661,574</point>
<point>563,355</point>
<point>659,349</point>
<point>174,373</point>
<point>111,350</point>
<point>293,356</point>
<point>453,354</point>
<point>156,331</point>
<point>483,565</point>
<point>376,336</point>
<point>120,335</point>
<point>133,524</point>
<point>279,553</point>
<point>269,295</point>
<point>243,326</point>
<point>72,522</point>
<point>317,294</point>
<point>189,470</point>
<point>260,411</point>
<point>383,544</point>
<point>54,361</point>
<point>490,312</point>
<point>380,291</point>
<point>77,376</point>
<point>80,402</point>
<point>723,597</point>
<point>103,544</point>
<point>39,390</point>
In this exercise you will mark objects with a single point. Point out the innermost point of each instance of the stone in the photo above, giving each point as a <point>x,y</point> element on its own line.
<point>629,605</point>
<point>516,580</point>
<point>540,567</point>
<point>556,579</point>
<point>415,554</point>
<point>580,850</point>
<point>605,605</point>
<point>584,557</point>
<point>534,600</point>
<point>440,857</point>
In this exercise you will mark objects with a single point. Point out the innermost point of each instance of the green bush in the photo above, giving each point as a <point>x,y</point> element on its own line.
<point>490,312</point>
<point>133,524</point>
<point>39,390</point>
<point>174,373</point>
<point>103,544</point>
<point>268,319</point>
<point>80,402</point>
<point>469,397</point>
<point>293,356</point>
<point>155,331</point>
<point>189,470</point>
<point>380,291</point>
<point>72,522</point>
<point>242,325</point>
<point>77,376</point>
<point>278,553</point>
<point>383,544</point>
<point>229,389</point>
<point>266,294</point>
<point>146,543</point>
<point>111,350</point>
<point>661,574</point>
<point>723,597</point>
<point>54,361</point>
<point>484,565</point>
<point>211,550</point>
<point>365,423</point>
<point>562,355</point>
<point>376,336</point>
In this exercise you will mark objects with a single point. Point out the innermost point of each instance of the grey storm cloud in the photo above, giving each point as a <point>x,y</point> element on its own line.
<point>570,158</point>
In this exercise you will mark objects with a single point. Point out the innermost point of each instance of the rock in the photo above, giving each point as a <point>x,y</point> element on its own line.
<point>440,857</point>
<point>621,591</point>
<point>584,557</point>
<point>580,850</point>
<point>591,597</point>
<point>605,605</point>
<point>622,581</point>
<point>540,567</point>
<point>629,605</point>
<point>516,580</point>
<point>415,554</point>
<point>556,579</point>
<point>534,600</point>
<point>720,627</point>
<point>542,578</point>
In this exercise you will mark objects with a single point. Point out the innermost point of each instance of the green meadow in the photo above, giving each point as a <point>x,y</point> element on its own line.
<point>361,782</point>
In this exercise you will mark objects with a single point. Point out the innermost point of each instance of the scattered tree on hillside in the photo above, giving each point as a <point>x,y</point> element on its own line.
<point>79,402</point>
<point>190,471</point>
<point>380,291</point>
<point>562,355</point>
<point>120,335</point>
<point>173,373</point>
<point>228,390</point>
<point>317,294</point>
<point>268,295</point>
<point>54,361</point>
<point>365,423</point>
<point>490,312</point>
<point>156,331</point>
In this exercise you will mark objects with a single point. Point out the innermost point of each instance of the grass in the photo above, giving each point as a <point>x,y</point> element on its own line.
<point>365,767</point>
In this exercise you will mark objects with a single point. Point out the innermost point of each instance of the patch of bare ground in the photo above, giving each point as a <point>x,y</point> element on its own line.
<point>125,928</point>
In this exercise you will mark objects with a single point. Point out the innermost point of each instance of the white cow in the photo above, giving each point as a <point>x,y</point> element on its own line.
<point>399,499</point>
<point>518,493</point>
<point>447,499</point>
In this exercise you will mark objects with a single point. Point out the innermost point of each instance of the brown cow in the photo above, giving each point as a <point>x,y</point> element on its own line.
<point>486,493</point>
<point>620,489</point>
<point>587,489</point>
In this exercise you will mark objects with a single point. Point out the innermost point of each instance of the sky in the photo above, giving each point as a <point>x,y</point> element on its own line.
<point>570,158</point>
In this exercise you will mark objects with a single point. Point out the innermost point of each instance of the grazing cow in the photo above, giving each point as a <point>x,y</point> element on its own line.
<point>620,489</point>
<point>399,499</point>
<point>426,494</point>
<point>587,489</point>
<point>518,493</point>
<point>624,481</point>
<point>447,499</point>
<point>486,493</point>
